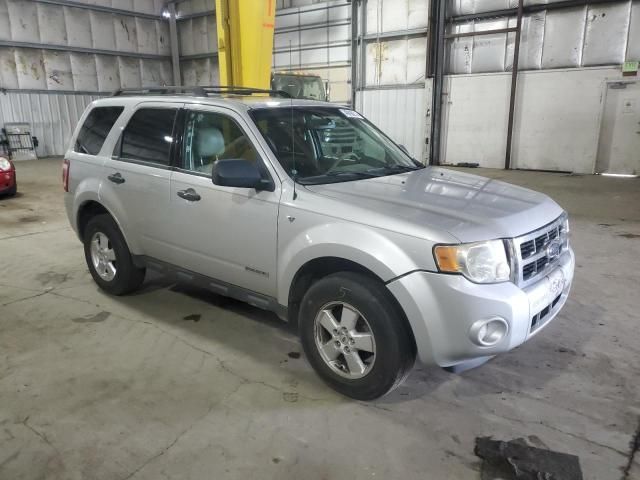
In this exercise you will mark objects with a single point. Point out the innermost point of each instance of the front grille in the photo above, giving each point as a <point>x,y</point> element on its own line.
<point>539,319</point>
<point>531,249</point>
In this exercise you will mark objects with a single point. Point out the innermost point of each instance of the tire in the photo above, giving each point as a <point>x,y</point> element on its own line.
<point>124,277</point>
<point>366,299</point>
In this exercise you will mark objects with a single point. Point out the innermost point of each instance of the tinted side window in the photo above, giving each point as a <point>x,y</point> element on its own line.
<point>209,137</point>
<point>95,129</point>
<point>148,135</point>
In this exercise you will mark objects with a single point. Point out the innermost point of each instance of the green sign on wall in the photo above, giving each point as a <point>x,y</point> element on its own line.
<point>630,67</point>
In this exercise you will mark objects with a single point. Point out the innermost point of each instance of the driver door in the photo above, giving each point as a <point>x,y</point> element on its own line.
<point>226,233</point>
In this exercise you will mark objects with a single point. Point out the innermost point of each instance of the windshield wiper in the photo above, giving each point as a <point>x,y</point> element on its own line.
<point>367,174</point>
<point>396,169</point>
<point>334,176</point>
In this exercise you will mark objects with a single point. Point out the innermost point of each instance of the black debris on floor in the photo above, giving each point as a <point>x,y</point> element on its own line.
<point>515,460</point>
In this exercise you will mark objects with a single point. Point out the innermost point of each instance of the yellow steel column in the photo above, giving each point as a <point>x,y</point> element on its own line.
<point>245,42</point>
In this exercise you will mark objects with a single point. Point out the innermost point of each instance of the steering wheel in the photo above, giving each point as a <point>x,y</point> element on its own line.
<point>351,156</point>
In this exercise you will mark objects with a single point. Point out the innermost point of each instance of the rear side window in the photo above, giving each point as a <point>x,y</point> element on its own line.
<point>148,136</point>
<point>95,129</point>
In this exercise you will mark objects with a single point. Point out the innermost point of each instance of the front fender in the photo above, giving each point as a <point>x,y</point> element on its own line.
<point>360,244</point>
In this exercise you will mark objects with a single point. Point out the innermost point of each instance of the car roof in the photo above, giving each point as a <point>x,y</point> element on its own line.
<point>237,102</point>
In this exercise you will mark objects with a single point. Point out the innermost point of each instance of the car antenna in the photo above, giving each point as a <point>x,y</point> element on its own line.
<point>294,172</point>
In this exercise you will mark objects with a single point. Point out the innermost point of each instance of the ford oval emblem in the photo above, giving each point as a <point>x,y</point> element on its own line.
<point>553,249</point>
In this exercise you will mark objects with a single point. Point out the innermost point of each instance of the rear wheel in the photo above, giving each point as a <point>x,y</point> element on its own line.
<point>108,257</point>
<point>354,337</point>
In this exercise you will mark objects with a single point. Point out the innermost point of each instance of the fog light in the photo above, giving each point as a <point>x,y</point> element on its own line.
<point>488,332</point>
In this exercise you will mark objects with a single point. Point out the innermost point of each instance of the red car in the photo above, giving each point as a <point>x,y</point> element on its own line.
<point>8,184</point>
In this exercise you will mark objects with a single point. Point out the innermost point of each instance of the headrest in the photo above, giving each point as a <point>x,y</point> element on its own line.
<point>209,142</point>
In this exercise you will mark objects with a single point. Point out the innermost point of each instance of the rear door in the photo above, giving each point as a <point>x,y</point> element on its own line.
<point>138,175</point>
<point>226,233</point>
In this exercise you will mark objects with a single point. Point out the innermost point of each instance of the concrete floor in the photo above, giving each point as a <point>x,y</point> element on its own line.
<point>176,383</point>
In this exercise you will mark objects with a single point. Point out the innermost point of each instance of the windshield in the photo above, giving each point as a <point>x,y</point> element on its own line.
<point>327,145</point>
<point>300,86</point>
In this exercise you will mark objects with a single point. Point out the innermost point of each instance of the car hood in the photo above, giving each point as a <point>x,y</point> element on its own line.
<point>469,207</point>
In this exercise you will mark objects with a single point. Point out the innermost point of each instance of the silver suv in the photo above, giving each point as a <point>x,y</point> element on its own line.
<point>377,259</point>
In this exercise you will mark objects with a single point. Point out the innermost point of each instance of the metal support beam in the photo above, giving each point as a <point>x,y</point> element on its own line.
<point>100,8</point>
<point>191,16</point>
<point>362,81</point>
<point>396,35</point>
<point>514,81</point>
<point>438,11</point>
<point>354,50</point>
<point>245,42</point>
<point>175,46</point>
<point>480,32</point>
<point>68,48</point>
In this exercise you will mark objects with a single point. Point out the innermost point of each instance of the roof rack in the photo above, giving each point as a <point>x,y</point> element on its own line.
<point>198,91</point>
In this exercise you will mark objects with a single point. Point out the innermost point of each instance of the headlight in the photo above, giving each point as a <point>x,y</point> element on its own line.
<point>4,164</point>
<point>480,262</point>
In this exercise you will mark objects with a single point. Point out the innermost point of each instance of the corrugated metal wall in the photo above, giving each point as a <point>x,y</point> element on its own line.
<point>53,116</point>
<point>56,57</point>
<point>198,42</point>
<point>55,47</point>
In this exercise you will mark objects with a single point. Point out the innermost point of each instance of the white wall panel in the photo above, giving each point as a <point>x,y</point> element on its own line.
<point>30,68</point>
<point>488,50</point>
<point>475,119</point>
<point>531,41</point>
<point>606,34</point>
<point>400,113</point>
<point>396,15</point>
<point>592,35</point>
<point>103,31</point>
<point>564,31</point>
<point>26,28</point>
<point>126,34</point>
<point>8,71</point>
<point>52,26</point>
<point>202,71</point>
<point>396,62</point>
<point>130,76</point>
<point>83,68</point>
<point>52,116</point>
<point>108,72</point>
<point>57,67</point>
<point>78,27</point>
<point>5,25</point>
<point>556,125</point>
<point>558,119</point>
<point>460,50</point>
<point>188,7</point>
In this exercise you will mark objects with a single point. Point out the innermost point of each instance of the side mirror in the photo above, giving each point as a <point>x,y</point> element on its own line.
<point>238,173</point>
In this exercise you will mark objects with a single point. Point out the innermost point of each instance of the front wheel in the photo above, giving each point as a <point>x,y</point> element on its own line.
<point>354,337</point>
<point>108,257</point>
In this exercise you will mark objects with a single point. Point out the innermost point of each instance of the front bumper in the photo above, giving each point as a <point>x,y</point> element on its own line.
<point>442,310</point>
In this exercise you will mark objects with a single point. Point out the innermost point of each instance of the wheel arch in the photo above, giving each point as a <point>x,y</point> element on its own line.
<point>91,207</point>
<point>321,267</point>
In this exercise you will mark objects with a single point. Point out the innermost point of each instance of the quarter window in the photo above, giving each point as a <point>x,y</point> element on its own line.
<point>148,136</point>
<point>210,137</point>
<point>95,129</point>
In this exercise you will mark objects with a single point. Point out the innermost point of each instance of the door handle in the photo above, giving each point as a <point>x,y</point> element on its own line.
<point>189,194</point>
<point>116,178</point>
